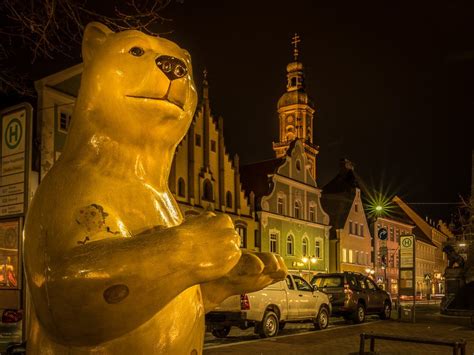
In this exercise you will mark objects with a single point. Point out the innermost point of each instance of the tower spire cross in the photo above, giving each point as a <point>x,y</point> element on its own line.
<point>295,40</point>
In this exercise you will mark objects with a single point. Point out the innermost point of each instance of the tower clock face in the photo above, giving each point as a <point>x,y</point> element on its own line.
<point>290,119</point>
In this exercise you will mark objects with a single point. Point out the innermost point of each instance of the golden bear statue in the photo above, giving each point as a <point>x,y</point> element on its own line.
<point>111,266</point>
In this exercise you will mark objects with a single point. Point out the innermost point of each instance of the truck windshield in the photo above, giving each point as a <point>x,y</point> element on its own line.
<point>327,281</point>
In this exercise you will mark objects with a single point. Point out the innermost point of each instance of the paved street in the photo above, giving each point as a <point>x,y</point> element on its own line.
<point>343,338</point>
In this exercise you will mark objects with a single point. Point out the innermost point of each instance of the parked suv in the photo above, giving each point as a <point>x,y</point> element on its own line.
<point>354,295</point>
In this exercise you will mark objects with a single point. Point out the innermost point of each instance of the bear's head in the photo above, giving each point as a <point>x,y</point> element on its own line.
<point>135,88</point>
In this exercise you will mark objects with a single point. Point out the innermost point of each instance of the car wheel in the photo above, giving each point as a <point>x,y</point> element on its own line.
<point>359,315</point>
<point>387,311</point>
<point>269,326</point>
<point>322,320</point>
<point>221,332</point>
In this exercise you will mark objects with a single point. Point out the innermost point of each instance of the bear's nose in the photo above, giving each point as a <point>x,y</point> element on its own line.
<point>173,68</point>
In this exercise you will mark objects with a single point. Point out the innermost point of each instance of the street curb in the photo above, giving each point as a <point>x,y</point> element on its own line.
<point>289,335</point>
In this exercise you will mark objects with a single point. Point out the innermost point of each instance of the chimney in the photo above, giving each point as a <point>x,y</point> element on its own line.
<point>346,164</point>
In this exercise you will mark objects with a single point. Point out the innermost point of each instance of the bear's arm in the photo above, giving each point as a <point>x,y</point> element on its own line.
<point>105,288</point>
<point>253,272</point>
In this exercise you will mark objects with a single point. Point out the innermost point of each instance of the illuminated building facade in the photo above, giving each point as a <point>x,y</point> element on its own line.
<point>431,261</point>
<point>350,239</point>
<point>287,203</point>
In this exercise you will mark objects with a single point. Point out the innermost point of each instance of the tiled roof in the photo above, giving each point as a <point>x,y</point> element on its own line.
<point>254,177</point>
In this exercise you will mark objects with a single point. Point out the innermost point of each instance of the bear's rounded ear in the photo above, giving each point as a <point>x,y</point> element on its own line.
<point>95,35</point>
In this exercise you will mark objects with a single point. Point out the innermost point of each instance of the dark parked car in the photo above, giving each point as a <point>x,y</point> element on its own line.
<point>354,295</point>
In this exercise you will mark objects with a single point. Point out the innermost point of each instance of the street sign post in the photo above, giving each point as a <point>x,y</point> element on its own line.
<point>407,275</point>
<point>15,167</point>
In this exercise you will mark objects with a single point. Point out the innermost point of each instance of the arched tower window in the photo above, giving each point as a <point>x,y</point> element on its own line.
<point>208,194</point>
<point>181,187</point>
<point>228,199</point>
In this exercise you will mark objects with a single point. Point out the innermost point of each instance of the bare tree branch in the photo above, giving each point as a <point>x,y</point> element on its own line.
<point>50,28</point>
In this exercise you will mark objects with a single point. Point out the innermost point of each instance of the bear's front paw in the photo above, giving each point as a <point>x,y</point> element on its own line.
<point>214,243</point>
<point>253,272</point>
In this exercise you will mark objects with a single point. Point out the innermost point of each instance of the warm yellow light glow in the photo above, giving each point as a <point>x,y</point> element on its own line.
<point>305,259</point>
<point>379,208</point>
<point>313,260</point>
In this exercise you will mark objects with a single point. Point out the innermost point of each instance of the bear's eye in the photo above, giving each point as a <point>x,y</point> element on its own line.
<point>136,51</point>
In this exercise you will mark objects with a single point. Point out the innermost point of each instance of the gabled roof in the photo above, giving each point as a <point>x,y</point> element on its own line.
<point>420,223</point>
<point>344,182</point>
<point>337,206</point>
<point>422,237</point>
<point>254,177</point>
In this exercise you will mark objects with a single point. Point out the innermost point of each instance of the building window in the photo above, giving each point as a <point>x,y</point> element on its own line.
<point>198,140</point>
<point>273,243</point>
<point>356,207</point>
<point>392,238</point>
<point>64,121</point>
<point>257,240</point>
<point>289,245</point>
<point>397,235</point>
<point>350,227</point>
<point>228,199</point>
<point>181,187</point>
<point>312,214</point>
<point>213,145</point>
<point>297,210</point>
<point>350,256</point>
<point>280,205</point>
<point>242,231</point>
<point>362,230</point>
<point>304,247</point>
<point>356,228</point>
<point>344,255</point>
<point>317,249</point>
<point>208,193</point>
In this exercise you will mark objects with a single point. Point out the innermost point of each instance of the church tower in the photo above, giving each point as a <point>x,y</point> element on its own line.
<point>296,113</point>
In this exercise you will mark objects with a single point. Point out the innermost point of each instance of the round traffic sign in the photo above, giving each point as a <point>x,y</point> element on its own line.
<point>382,233</point>
<point>406,242</point>
<point>13,133</point>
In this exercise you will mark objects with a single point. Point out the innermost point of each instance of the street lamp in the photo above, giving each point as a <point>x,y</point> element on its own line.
<point>309,260</point>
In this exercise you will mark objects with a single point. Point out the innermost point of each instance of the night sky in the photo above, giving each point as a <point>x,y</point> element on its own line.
<point>393,85</point>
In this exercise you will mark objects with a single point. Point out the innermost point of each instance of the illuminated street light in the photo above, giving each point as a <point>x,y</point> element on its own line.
<point>378,208</point>
<point>311,260</point>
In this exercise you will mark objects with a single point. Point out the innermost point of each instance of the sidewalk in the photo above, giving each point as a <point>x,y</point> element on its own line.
<point>345,340</point>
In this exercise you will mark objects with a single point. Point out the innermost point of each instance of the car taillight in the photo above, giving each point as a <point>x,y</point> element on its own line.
<point>244,302</point>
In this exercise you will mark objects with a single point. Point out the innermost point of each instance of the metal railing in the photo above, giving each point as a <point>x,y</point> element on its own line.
<point>459,346</point>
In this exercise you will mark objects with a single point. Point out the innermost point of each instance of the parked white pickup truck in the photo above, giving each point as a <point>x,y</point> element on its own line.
<point>268,310</point>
